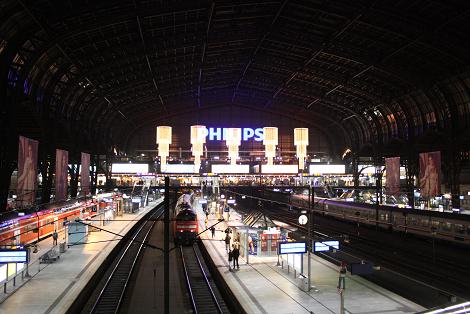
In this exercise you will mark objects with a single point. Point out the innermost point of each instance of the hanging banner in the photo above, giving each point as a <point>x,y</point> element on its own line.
<point>27,171</point>
<point>392,182</point>
<point>430,173</point>
<point>61,174</point>
<point>85,174</point>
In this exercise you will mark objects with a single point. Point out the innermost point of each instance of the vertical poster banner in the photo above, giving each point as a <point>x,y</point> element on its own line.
<point>85,174</point>
<point>392,182</point>
<point>27,171</point>
<point>61,174</point>
<point>430,173</point>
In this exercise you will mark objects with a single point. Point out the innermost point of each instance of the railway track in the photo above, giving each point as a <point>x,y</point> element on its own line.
<point>111,295</point>
<point>204,294</point>
<point>414,263</point>
<point>395,257</point>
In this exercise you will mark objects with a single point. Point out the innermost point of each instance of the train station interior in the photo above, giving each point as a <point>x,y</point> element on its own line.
<point>221,156</point>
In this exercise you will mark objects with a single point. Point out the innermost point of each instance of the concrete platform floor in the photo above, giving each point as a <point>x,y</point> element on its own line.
<point>263,287</point>
<point>55,287</point>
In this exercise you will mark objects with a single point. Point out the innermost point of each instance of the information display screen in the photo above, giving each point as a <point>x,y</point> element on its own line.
<point>325,246</point>
<point>13,256</point>
<point>292,247</point>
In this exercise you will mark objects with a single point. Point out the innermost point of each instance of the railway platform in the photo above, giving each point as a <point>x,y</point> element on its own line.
<point>54,288</point>
<point>263,287</point>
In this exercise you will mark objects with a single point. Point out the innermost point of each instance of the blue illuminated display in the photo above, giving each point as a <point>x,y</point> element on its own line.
<point>292,247</point>
<point>220,134</point>
<point>325,246</point>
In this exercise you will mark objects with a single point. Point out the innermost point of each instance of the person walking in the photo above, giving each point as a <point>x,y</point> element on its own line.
<point>55,236</point>
<point>213,231</point>
<point>230,258</point>
<point>235,253</point>
<point>227,242</point>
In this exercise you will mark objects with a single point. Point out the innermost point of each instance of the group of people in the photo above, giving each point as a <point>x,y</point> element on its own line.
<point>234,249</point>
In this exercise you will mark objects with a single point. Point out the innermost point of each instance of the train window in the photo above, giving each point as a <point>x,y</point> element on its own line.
<point>412,221</point>
<point>468,229</point>
<point>425,222</point>
<point>446,226</point>
<point>459,228</point>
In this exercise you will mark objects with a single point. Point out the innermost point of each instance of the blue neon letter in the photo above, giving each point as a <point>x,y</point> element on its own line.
<point>259,134</point>
<point>215,132</point>
<point>248,133</point>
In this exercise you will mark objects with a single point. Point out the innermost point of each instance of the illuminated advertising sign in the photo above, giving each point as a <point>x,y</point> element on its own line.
<point>130,168</point>
<point>179,168</point>
<point>328,169</point>
<point>230,168</point>
<point>281,169</point>
<point>13,256</point>
<point>220,134</point>
<point>325,246</point>
<point>292,247</point>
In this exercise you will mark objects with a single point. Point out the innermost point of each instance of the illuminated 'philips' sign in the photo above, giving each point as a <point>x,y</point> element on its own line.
<point>220,134</point>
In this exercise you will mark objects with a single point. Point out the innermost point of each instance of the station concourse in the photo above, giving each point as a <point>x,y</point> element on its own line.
<point>146,147</point>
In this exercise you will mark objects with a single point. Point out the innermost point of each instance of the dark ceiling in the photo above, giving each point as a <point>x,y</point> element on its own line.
<point>363,72</point>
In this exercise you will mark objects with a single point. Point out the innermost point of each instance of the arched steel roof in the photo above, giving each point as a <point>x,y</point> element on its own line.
<point>363,72</point>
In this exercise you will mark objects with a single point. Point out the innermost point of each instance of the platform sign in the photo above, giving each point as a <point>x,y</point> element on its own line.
<point>230,201</point>
<point>322,246</point>
<point>292,247</point>
<point>13,256</point>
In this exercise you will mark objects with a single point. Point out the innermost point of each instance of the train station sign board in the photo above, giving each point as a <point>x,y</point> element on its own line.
<point>324,246</point>
<point>220,134</point>
<point>292,247</point>
<point>13,256</point>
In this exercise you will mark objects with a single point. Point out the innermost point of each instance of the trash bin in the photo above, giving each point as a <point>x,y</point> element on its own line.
<point>62,247</point>
<point>303,283</point>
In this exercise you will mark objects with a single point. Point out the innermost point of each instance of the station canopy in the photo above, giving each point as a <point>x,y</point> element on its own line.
<point>361,72</point>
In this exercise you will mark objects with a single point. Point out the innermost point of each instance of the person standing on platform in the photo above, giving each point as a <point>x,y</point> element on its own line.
<point>55,236</point>
<point>213,231</point>
<point>230,258</point>
<point>227,242</point>
<point>235,253</point>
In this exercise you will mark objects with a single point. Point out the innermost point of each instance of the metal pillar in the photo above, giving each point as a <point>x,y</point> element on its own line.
<point>247,249</point>
<point>309,241</point>
<point>166,247</point>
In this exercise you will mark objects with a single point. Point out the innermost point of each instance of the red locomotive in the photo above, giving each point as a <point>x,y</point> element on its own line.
<point>185,228</point>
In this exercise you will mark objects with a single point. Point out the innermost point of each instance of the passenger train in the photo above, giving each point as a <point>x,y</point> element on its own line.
<point>29,228</point>
<point>440,225</point>
<point>185,228</point>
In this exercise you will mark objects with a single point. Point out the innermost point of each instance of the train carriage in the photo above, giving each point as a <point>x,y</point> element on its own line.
<point>439,225</point>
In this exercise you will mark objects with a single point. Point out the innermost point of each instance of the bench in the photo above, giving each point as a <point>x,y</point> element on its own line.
<point>49,257</point>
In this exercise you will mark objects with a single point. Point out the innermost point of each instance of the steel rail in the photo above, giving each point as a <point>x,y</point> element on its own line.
<point>198,304</point>
<point>110,297</point>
